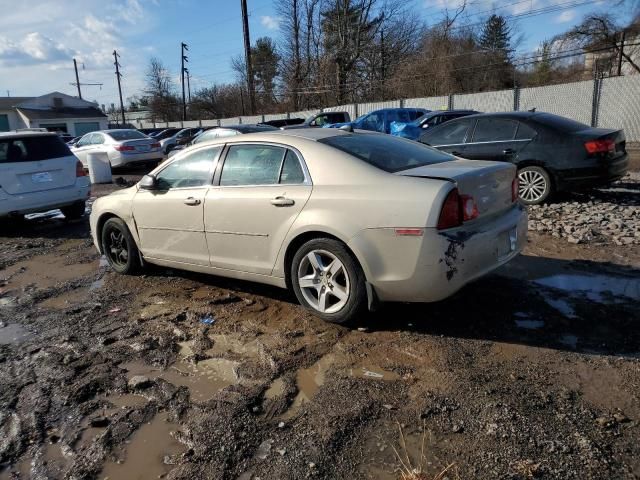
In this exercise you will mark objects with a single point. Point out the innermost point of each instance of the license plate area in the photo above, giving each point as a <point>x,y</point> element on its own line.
<point>143,148</point>
<point>41,177</point>
<point>507,242</point>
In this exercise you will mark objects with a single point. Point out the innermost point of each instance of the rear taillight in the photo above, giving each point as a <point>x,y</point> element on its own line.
<point>80,169</point>
<point>600,146</point>
<point>124,148</point>
<point>515,186</point>
<point>469,208</point>
<point>155,145</point>
<point>451,214</point>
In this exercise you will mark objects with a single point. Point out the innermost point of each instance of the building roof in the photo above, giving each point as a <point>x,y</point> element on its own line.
<point>63,112</point>
<point>7,103</point>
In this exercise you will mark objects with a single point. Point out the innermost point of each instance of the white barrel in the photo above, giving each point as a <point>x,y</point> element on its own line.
<point>99,167</point>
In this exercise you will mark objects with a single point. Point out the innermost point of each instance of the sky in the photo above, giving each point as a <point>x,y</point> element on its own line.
<point>40,38</point>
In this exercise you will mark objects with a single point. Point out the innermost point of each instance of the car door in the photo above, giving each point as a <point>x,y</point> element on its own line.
<point>449,137</point>
<point>83,147</point>
<point>169,218</point>
<point>260,191</point>
<point>492,139</point>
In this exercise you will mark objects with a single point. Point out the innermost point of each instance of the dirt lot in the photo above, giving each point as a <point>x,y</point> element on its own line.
<point>531,372</point>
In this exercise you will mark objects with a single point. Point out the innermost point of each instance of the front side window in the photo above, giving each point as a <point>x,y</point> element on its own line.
<point>97,139</point>
<point>85,140</point>
<point>252,165</point>
<point>373,121</point>
<point>450,133</point>
<point>190,171</point>
<point>494,130</point>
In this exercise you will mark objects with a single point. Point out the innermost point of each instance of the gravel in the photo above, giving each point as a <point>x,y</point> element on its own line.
<point>607,215</point>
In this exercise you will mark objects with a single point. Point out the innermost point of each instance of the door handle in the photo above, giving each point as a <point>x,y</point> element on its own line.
<point>282,202</point>
<point>508,152</point>
<point>191,201</point>
<point>457,154</point>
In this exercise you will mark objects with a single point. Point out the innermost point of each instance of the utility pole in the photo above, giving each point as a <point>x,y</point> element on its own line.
<point>621,52</point>
<point>247,56</point>
<point>183,58</point>
<point>75,66</point>
<point>118,75</point>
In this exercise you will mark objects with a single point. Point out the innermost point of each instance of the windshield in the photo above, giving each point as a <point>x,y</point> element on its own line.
<point>120,135</point>
<point>391,154</point>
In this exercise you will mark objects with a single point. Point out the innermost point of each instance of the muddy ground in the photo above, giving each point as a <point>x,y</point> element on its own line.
<point>531,372</point>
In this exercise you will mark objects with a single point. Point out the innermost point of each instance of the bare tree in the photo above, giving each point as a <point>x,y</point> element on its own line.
<point>160,91</point>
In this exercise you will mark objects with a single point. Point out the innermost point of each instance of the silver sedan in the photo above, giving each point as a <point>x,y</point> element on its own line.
<point>344,219</point>
<point>123,147</point>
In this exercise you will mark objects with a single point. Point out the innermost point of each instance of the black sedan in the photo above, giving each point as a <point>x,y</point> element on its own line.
<point>552,153</point>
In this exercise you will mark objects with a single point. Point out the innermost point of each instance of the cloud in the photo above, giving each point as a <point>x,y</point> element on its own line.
<point>269,22</point>
<point>566,16</point>
<point>33,48</point>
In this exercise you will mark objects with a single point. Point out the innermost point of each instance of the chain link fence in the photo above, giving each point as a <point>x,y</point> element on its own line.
<point>610,103</point>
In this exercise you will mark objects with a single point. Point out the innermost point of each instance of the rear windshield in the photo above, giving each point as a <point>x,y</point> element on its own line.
<point>559,123</point>
<point>32,149</point>
<point>388,153</point>
<point>126,135</point>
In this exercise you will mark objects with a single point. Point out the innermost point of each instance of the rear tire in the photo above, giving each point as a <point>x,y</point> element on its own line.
<point>119,247</point>
<point>328,280</point>
<point>73,212</point>
<point>534,185</point>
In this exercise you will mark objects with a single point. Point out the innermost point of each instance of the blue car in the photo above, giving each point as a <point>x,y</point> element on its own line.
<point>381,120</point>
<point>413,130</point>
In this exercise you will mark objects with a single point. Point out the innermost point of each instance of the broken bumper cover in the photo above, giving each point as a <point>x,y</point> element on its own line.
<point>434,266</point>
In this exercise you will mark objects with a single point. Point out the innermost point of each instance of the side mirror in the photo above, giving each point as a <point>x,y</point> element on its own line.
<point>313,123</point>
<point>148,182</point>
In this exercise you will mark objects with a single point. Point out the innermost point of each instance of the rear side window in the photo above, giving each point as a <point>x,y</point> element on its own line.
<point>252,165</point>
<point>398,116</point>
<point>451,133</point>
<point>292,173</point>
<point>32,149</point>
<point>559,123</point>
<point>525,132</point>
<point>494,130</point>
<point>415,114</point>
<point>388,153</point>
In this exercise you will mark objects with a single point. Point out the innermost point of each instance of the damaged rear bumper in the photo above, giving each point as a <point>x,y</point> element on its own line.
<point>436,265</point>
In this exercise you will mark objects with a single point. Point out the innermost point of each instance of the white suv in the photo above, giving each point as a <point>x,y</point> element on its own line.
<point>38,172</point>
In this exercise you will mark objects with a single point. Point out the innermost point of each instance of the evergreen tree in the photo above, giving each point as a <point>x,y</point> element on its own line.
<point>495,40</point>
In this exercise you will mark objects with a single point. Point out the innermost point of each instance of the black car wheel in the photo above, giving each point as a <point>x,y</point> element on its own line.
<point>534,185</point>
<point>328,280</point>
<point>119,247</point>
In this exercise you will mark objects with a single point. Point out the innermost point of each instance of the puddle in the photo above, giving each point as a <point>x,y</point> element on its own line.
<point>22,469</point>
<point>45,271</point>
<point>204,379</point>
<point>155,310</point>
<point>56,461</point>
<point>7,302</point>
<point>597,288</point>
<point>66,299</point>
<point>275,390</point>
<point>309,380</point>
<point>560,305</point>
<point>224,344</point>
<point>529,324</point>
<point>13,334</point>
<point>144,456</point>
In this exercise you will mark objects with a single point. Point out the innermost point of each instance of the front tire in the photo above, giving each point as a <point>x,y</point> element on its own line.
<point>328,280</point>
<point>119,247</point>
<point>73,212</point>
<point>534,185</point>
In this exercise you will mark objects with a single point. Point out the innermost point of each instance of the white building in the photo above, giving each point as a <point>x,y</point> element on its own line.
<point>54,111</point>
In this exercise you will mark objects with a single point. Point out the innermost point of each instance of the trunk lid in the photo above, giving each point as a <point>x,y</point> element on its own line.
<point>489,183</point>
<point>141,145</point>
<point>34,164</point>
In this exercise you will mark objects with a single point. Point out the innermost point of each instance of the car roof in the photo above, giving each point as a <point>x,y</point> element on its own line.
<point>412,109</point>
<point>512,115</point>
<point>26,133</point>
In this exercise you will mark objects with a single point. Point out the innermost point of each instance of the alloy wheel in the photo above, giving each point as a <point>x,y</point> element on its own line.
<point>532,186</point>
<point>324,281</point>
<point>117,248</point>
